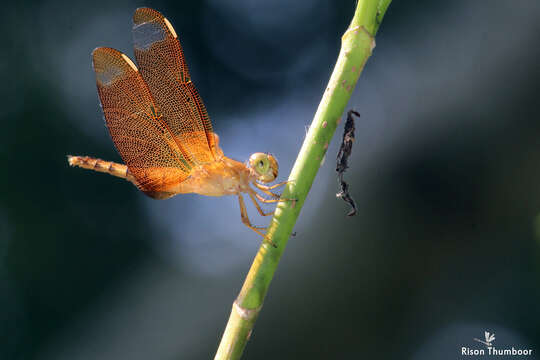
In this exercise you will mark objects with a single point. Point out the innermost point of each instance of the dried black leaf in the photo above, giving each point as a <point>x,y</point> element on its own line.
<point>342,160</point>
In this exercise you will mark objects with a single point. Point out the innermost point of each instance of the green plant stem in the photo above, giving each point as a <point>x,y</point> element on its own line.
<point>357,45</point>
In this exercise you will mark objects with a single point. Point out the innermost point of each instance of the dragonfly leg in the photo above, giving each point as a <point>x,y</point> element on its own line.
<point>264,187</point>
<point>268,192</point>
<point>259,209</point>
<point>245,218</point>
<point>261,199</point>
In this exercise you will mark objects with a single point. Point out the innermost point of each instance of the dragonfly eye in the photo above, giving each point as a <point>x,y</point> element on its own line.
<point>265,166</point>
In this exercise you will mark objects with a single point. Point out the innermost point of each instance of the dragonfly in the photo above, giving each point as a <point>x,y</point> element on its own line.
<point>161,128</point>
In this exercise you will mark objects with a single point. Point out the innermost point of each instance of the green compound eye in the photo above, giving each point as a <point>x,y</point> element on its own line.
<point>265,166</point>
<point>262,166</point>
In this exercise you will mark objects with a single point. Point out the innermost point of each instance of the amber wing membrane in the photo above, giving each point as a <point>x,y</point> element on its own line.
<point>161,60</point>
<point>138,131</point>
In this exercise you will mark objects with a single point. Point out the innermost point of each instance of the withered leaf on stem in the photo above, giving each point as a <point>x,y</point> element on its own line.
<point>342,160</point>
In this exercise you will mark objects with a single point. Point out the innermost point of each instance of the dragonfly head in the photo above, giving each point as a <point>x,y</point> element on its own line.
<point>264,166</point>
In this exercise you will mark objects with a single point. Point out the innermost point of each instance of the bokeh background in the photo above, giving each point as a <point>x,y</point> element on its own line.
<point>445,170</point>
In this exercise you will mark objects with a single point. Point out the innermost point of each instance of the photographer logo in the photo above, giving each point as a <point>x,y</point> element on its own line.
<point>491,350</point>
<point>489,339</point>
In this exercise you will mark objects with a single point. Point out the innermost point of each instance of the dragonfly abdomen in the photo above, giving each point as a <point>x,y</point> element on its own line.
<point>108,167</point>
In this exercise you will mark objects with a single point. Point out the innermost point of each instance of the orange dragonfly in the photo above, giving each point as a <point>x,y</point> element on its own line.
<point>160,126</point>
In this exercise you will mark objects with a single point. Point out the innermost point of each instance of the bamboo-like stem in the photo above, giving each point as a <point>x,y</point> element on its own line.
<point>357,44</point>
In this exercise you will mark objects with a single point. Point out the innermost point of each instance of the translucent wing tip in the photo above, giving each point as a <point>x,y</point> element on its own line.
<point>102,55</point>
<point>150,27</point>
<point>110,65</point>
<point>144,14</point>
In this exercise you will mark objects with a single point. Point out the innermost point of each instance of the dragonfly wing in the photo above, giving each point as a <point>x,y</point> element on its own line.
<point>162,65</point>
<point>138,131</point>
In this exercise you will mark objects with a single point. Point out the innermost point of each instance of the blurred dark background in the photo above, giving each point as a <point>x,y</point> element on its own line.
<point>445,170</point>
